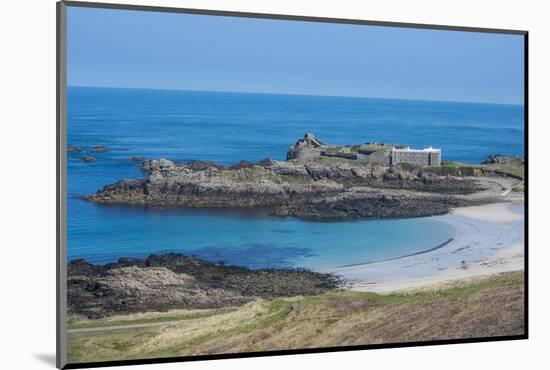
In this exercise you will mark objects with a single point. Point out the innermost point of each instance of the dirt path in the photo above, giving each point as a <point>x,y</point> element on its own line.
<point>77,331</point>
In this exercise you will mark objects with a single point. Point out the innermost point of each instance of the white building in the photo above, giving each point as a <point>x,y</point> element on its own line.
<point>420,157</point>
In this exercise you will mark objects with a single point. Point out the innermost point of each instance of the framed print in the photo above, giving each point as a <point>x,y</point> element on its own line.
<point>235,184</point>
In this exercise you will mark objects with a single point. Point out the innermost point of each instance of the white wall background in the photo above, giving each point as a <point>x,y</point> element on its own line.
<point>27,182</point>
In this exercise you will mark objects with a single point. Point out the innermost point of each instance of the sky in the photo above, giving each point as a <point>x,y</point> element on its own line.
<point>136,49</point>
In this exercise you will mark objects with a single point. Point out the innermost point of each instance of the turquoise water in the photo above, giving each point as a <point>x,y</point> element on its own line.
<point>246,239</point>
<point>228,127</point>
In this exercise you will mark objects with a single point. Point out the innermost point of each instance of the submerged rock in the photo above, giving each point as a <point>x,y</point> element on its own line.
<point>88,159</point>
<point>99,149</point>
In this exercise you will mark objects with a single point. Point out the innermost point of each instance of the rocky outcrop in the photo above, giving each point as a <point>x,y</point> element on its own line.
<point>99,149</point>
<point>354,205</point>
<point>174,281</point>
<point>502,159</point>
<point>312,190</point>
<point>88,159</point>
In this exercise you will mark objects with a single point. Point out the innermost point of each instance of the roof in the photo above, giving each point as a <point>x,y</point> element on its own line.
<point>425,150</point>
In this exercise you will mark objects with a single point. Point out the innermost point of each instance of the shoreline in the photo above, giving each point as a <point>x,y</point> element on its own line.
<point>439,246</point>
<point>488,239</point>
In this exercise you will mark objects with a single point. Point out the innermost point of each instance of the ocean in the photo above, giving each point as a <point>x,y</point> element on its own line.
<point>228,127</point>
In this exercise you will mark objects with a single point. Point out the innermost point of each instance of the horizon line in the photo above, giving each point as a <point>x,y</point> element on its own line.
<point>295,94</point>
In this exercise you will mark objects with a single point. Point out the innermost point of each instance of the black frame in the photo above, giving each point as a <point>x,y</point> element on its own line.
<point>61,272</point>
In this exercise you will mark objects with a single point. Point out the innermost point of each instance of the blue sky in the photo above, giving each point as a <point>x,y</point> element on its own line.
<point>121,48</point>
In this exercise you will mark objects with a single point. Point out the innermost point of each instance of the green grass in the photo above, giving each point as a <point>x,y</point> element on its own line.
<point>331,319</point>
<point>337,149</point>
<point>337,160</point>
<point>371,148</point>
<point>515,169</point>
<point>80,322</point>
<point>446,168</point>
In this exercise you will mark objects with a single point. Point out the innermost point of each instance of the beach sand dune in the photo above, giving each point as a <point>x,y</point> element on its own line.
<point>488,239</point>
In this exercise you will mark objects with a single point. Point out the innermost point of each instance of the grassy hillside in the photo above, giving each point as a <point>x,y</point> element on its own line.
<point>484,307</point>
<point>514,169</point>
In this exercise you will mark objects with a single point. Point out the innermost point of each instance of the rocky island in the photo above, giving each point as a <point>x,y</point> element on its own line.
<point>328,184</point>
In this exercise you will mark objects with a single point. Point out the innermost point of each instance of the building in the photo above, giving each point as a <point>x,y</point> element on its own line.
<point>419,157</point>
<point>344,150</point>
<point>311,148</point>
<point>306,149</point>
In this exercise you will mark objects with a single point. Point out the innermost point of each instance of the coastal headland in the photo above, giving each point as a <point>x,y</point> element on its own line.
<point>318,188</point>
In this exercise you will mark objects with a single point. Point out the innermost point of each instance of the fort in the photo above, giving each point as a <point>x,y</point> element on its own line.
<point>421,157</point>
<point>312,148</point>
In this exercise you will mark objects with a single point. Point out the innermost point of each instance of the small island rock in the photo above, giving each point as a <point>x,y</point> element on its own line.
<point>99,149</point>
<point>88,159</point>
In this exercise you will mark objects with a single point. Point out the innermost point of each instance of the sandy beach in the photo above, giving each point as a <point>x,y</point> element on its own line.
<point>488,239</point>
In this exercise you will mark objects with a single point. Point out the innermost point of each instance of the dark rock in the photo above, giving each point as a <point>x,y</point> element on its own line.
<point>265,162</point>
<point>138,159</point>
<point>241,164</point>
<point>372,206</point>
<point>170,260</point>
<point>502,159</point>
<point>203,165</point>
<point>88,159</point>
<point>126,262</point>
<point>80,266</point>
<point>163,282</point>
<point>74,150</point>
<point>99,149</point>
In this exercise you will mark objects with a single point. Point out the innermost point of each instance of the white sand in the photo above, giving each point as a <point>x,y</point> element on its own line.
<point>488,239</point>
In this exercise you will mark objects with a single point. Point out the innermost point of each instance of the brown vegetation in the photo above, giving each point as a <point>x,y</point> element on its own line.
<point>469,309</point>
